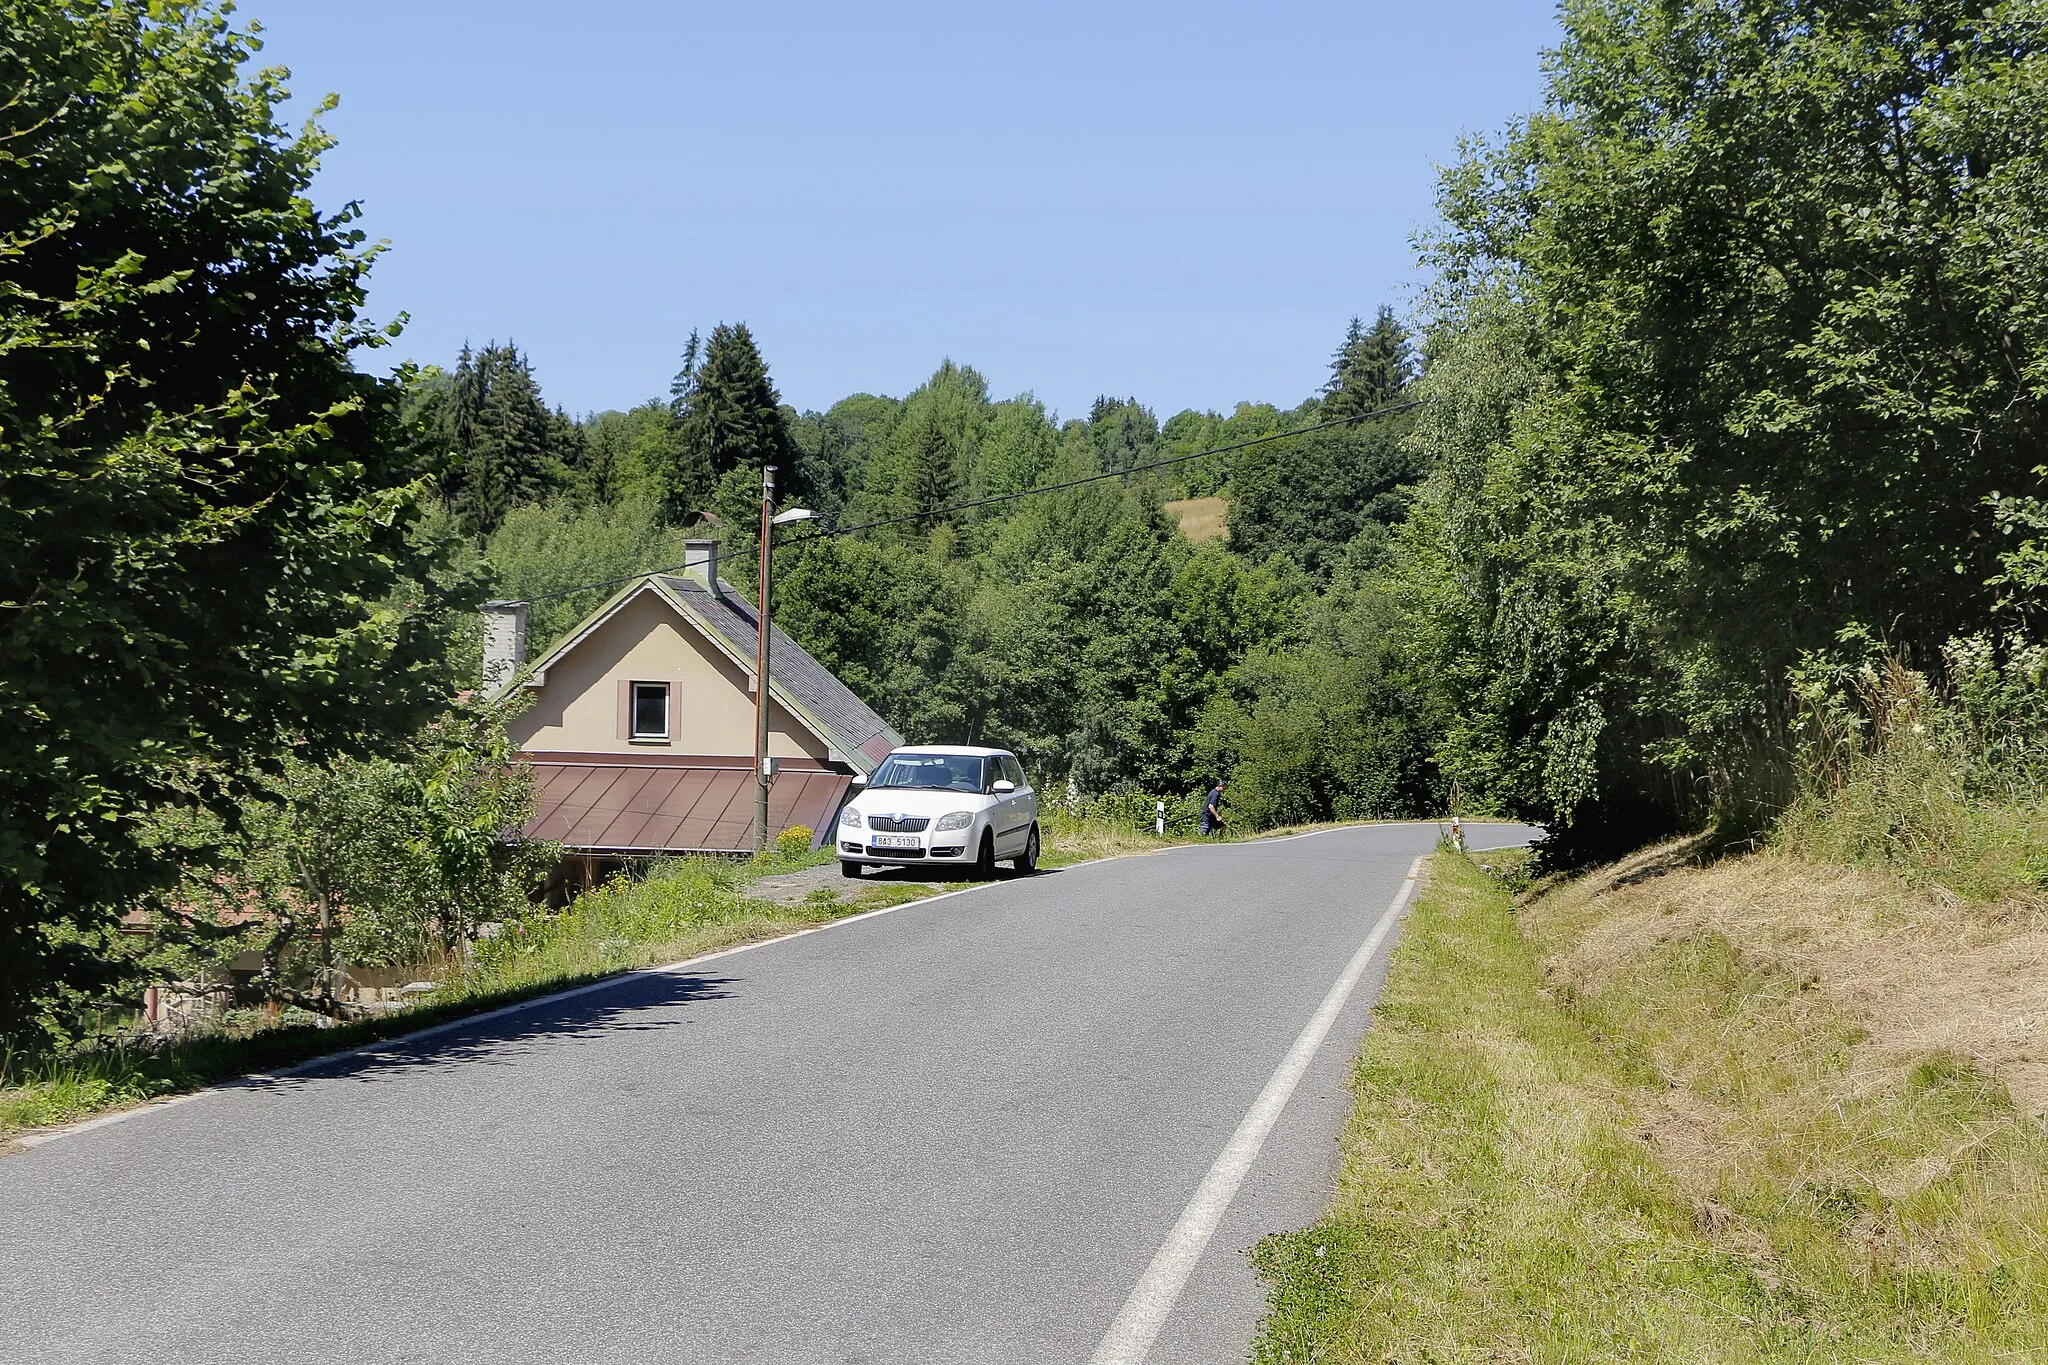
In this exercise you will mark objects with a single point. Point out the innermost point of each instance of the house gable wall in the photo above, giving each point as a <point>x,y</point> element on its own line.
<point>711,709</point>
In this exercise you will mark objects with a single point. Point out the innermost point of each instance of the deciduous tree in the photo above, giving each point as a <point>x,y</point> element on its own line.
<point>206,558</point>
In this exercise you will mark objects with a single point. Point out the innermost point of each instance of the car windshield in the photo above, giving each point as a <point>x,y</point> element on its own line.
<point>931,772</point>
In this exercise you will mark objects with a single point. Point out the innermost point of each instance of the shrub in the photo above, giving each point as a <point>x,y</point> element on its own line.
<point>1944,783</point>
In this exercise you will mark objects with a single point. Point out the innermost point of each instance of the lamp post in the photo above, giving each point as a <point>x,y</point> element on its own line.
<point>764,773</point>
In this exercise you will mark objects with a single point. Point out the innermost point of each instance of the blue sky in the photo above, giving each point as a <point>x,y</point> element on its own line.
<point>1181,202</point>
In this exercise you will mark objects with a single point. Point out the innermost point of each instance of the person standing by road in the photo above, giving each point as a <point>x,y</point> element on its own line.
<point>1212,810</point>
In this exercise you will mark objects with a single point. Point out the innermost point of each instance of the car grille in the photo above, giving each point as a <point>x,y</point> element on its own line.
<point>895,853</point>
<point>905,824</point>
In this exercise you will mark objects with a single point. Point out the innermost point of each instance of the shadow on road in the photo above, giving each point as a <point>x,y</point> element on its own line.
<point>640,1003</point>
<point>922,876</point>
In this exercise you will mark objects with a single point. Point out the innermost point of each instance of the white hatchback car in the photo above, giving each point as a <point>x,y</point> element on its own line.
<point>942,803</point>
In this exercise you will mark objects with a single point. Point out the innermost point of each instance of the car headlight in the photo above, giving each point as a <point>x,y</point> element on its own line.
<point>959,819</point>
<point>849,818</point>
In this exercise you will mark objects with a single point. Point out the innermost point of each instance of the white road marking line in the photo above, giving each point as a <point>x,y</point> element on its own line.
<point>1129,1339</point>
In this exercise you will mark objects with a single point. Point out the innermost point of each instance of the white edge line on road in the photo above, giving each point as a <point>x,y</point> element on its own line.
<point>1129,1338</point>
<point>470,1021</point>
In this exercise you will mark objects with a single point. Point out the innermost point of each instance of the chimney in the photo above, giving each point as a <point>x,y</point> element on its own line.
<point>504,643</point>
<point>700,563</point>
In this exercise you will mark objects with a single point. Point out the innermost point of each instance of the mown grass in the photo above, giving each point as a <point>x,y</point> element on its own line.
<point>678,909</point>
<point>1661,1164</point>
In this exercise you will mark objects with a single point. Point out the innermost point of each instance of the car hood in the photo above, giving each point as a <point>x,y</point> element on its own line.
<point>908,801</point>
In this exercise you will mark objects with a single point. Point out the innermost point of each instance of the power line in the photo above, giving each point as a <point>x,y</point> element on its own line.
<point>935,512</point>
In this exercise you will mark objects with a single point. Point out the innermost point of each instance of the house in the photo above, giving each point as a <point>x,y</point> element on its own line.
<point>641,723</point>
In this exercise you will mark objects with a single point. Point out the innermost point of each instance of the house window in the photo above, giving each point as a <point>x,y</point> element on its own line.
<point>650,710</point>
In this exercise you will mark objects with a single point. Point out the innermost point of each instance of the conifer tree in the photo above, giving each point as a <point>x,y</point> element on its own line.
<point>934,473</point>
<point>1371,369</point>
<point>567,448</point>
<point>453,423</point>
<point>729,417</point>
<point>1123,430</point>
<point>601,477</point>
<point>685,383</point>
<point>500,436</point>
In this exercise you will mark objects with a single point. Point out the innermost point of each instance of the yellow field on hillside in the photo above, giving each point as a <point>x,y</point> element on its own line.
<point>1201,518</point>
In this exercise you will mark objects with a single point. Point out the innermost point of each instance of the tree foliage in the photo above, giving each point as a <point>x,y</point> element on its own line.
<point>206,510</point>
<point>505,448</point>
<point>1372,369</point>
<point>1768,282</point>
<point>728,418</point>
<point>366,861</point>
<point>1339,491</point>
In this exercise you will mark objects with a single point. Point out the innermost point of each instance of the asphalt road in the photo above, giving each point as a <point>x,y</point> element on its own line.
<point>956,1132</point>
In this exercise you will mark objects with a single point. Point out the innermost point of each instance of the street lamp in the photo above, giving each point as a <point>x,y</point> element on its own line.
<point>764,773</point>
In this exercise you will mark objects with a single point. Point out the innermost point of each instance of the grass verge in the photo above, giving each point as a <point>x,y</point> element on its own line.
<point>678,910</point>
<point>1578,1141</point>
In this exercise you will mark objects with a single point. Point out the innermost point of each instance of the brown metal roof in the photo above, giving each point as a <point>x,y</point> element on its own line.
<point>638,807</point>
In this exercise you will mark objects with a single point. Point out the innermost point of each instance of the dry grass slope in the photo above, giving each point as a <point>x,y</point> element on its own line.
<point>1756,1111</point>
<point>1914,972</point>
<point>1201,518</point>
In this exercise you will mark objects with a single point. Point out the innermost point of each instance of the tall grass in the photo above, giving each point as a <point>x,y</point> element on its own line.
<point>679,908</point>
<point>1113,824</point>
<point>1944,785</point>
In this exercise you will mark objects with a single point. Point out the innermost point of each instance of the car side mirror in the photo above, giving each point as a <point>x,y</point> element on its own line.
<point>1003,787</point>
<point>860,779</point>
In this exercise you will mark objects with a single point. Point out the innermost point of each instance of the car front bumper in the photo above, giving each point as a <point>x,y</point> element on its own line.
<point>939,849</point>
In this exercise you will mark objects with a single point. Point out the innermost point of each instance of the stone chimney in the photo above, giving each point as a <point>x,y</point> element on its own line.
<point>700,563</point>
<point>504,643</point>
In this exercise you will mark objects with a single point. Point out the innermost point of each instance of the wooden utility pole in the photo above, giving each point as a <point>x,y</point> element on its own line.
<point>761,674</point>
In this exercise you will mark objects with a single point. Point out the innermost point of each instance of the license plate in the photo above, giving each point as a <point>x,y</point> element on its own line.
<point>895,841</point>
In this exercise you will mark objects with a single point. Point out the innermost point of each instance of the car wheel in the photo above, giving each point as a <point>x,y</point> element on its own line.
<point>1028,862</point>
<point>847,869</point>
<point>985,861</point>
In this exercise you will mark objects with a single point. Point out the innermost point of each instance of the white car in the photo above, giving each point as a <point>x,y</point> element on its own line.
<point>941,803</point>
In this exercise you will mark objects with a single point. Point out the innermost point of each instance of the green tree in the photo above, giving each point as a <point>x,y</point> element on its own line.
<point>675,453</point>
<point>365,861</point>
<point>1123,430</point>
<point>729,418</point>
<point>503,439</point>
<point>1016,449</point>
<point>207,556</point>
<point>835,449</point>
<point>603,476</point>
<point>934,478</point>
<point>935,432</point>
<point>1778,272</point>
<point>568,446</point>
<point>563,543</point>
<point>1372,369</point>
